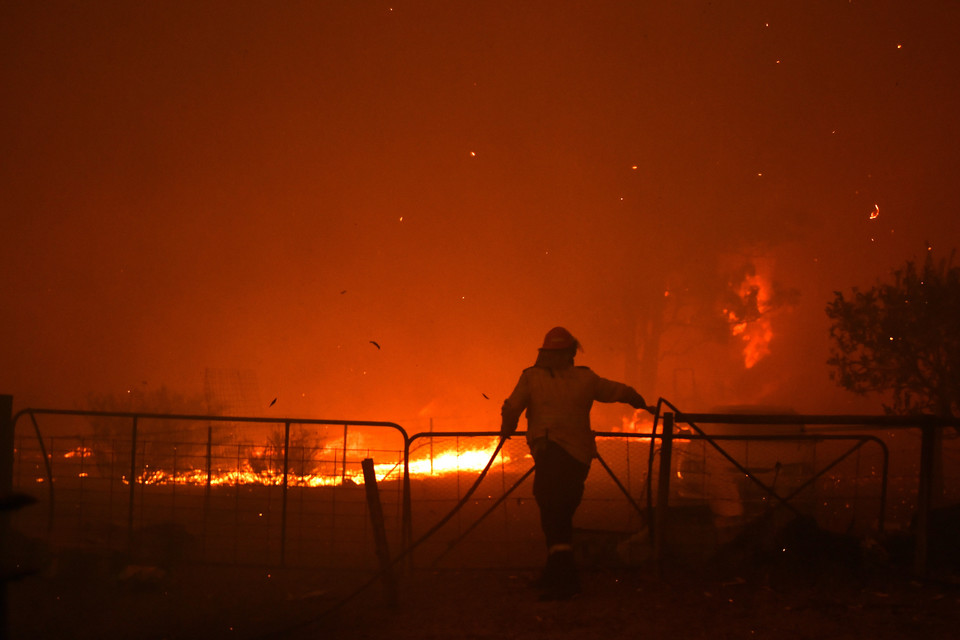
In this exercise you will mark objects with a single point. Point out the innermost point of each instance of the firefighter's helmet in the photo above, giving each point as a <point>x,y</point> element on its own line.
<point>559,338</point>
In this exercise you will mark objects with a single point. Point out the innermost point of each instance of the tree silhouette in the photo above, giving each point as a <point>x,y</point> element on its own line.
<point>902,339</point>
<point>159,440</point>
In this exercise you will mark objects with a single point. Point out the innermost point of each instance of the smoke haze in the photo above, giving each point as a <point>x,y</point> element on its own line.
<point>266,189</point>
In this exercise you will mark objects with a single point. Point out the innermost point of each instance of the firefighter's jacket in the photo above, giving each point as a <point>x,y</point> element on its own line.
<point>558,401</point>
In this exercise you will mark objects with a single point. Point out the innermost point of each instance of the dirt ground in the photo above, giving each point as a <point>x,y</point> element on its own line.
<point>775,601</point>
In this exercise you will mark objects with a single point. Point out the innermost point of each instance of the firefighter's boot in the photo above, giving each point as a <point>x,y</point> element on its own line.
<point>561,581</point>
<point>549,574</point>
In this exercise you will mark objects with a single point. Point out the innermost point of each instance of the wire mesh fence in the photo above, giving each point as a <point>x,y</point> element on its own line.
<point>165,489</point>
<point>883,477</point>
<point>497,526</point>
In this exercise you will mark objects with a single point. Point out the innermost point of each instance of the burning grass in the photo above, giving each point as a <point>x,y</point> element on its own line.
<point>306,466</point>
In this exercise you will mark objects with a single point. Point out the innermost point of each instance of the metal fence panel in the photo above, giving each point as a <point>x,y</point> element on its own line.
<point>163,489</point>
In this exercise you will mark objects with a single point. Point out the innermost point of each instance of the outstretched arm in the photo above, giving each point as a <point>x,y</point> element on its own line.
<point>513,407</point>
<point>509,418</point>
<point>611,391</point>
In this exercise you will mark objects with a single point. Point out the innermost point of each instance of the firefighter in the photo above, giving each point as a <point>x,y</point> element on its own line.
<point>557,396</point>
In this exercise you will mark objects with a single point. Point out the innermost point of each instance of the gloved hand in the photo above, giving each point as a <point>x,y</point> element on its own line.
<point>636,401</point>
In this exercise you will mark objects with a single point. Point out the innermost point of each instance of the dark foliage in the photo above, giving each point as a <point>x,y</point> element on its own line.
<point>902,338</point>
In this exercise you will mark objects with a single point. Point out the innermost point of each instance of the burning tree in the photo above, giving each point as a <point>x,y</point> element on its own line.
<point>733,302</point>
<point>901,338</point>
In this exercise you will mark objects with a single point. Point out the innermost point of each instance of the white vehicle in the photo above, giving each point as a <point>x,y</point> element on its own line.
<point>705,475</point>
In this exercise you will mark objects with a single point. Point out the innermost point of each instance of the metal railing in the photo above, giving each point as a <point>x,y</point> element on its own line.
<point>225,497</point>
<point>921,458</point>
<point>290,499</point>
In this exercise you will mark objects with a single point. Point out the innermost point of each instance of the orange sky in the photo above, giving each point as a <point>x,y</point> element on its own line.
<point>204,186</point>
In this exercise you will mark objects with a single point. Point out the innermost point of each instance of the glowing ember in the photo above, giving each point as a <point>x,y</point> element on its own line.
<point>79,452</point>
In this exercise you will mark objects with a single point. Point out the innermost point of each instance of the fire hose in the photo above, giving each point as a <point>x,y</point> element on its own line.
<point>439,524</point>
<point>403,554</point>
<point>654,410</point>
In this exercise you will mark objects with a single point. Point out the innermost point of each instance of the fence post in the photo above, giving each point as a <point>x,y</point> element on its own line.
<point>883,487</point>
<point>379,531</point>
<point>207,488</point>
<point>924,494</point>
<point>407,517</point>
<point>663,488</point>
<point>343,472</point>
<point>6,488</point>
<point>6,444</point>
<point>133,480</point>
<point>283,493</point>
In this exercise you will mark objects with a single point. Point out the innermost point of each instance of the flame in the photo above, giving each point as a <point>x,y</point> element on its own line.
<point>639,422</point>
<point>757,332</point>
<point>79,452</point>
<point>447,461</point>
<point>757,340</point>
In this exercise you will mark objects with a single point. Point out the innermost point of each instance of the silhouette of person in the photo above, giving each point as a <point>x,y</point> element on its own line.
<point>557,397</point>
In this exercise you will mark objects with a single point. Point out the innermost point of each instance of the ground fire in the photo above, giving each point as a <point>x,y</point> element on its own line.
<point>266,468</point>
